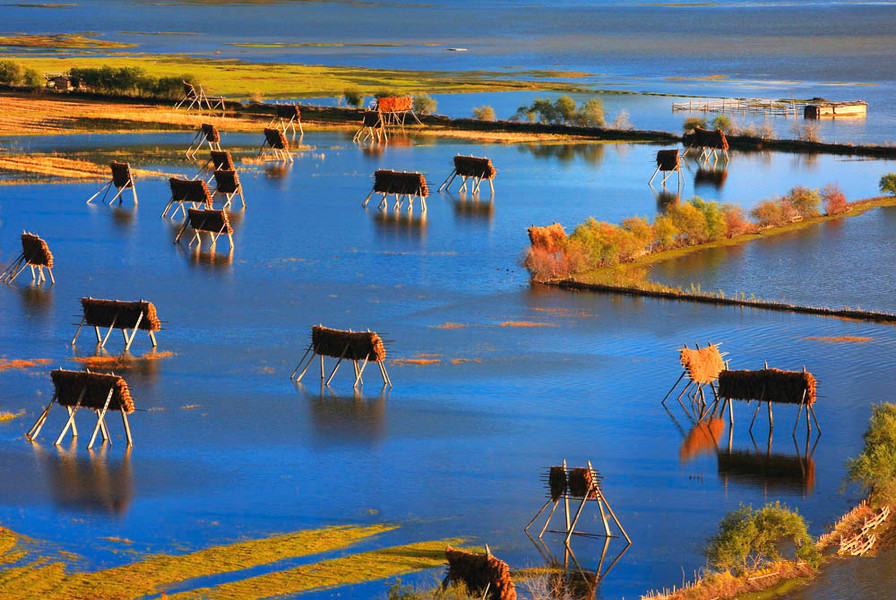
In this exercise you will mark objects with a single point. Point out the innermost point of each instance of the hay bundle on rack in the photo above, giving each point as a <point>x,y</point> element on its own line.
<point>703,365</point>
<point>480,573</point>
<point>36,251</point>
<point>770,385</point>
<point>395,104</point>
<point>211,133</point>
<point>287,111</point>
<point>121,175</point>
<point>582,481</point>
<point>227,182</point>
<point>705,138</point>
<point>103,313</point>
<point>557,482</point>
<point>222,160</point>
<point>190,190</point>
<point>361,345</point>
<point>401,183</point>
<point>276,139</point>
<point>474,166</point>
<point>551,238</point>
<point>69,385</point>
<point>209,220</point>
<point>668,160</point>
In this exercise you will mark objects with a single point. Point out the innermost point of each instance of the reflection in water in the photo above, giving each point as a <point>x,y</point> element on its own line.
<point>703,438</point>
<point>89,485</point>
<point>208,258</point>
<point>278,170</point>
<point>473,208</point>
<point>124,217</point>
<point>568,579</point>
<point>770,471</point>
<point>665,199</point>
<point>373,149</point>
<point>235,217</point>
<point>590,152</point>
<point>347,419</point>
<point>36,300</point>
<point>401,223</point>
<point>711,177</point>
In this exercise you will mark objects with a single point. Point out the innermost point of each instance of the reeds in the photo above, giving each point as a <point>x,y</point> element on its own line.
<point>288,111</point>
<point>211,133</point>
<point>222,160</point>
<point>95,387</point>
<point>121,175</point>
<point>703,365</point>
<point>227,182</point>
<point>208,219</point>
<point>706,138</point>
<point>668,160</point>
<point>276,139</point>
<point>190,190</point>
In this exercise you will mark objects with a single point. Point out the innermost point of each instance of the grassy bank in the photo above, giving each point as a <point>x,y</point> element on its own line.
<point>28,568</point>
<point>631,278</point>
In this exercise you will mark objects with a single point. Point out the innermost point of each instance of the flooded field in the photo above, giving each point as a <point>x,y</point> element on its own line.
<point>836,50</point>
<point>494,380</point>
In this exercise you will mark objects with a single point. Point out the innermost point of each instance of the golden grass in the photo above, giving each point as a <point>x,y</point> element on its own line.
<point>525,324</point>
<point>415,361</point>
<point>8,416</point>
<point>238,79</point>
<point>120,363</point>
<point>54,165</point>
<point>151,575</point>
<point>450,325</point>
<point>66,41</point>
<point>7,364</point>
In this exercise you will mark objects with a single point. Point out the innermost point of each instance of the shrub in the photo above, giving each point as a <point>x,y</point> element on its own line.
<point>622,121</point>
<point>566,109</point>
<point>484,113</point>
<point>875,468</point>
<point>591,114</point>
<point>691,123</point>
<point>722,122</point>
<point>736,222</point>
<point>766,131</point>
<point>424,104</point>
<point>386,94</point>
<point>747,539</point>
<point>33,79</point>
<point>888,183</point>
<point>10,72</point>
<point>834,199</point>
<point>354,97</point>
<point>772,213</point>
<point>714,219</point>
<point>689,222</point>
<point>544,265</point>
<point>806,132</point>
<point>805,201</point>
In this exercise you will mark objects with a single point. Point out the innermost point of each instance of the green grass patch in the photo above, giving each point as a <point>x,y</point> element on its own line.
<point>63,41</point>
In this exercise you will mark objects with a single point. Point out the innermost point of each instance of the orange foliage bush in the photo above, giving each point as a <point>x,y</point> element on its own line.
<point>834,199</point>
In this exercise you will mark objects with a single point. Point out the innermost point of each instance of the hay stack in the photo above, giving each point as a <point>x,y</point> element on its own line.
<point>222,160</point>
<point>480,572</point>
<point>207,219</point>
<point>227,182</point>
<point>582,481</point>
<point>703,365</point>
<point>190,190</point>
<point>401,183</point>
<point>102,313</point>
<point>557,482</point>
<point>785,387</point>
<point>36,251</point>
<point>288,111</point>
<point>211,133</point>
<point>276,139</point>
<point>395,104</point>
<point>705,138</point>
<point>121,175</point>
<point>668,160</point>
<point>474,166</point>
<point>361,344</point>
<point>70,383</point>
<point>551,238</point>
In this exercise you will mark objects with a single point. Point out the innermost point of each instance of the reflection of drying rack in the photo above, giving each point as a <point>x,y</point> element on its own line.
<point>579,483</point>
<point>564,582</point>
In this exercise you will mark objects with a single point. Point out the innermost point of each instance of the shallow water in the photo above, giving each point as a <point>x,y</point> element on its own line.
<point>803,49</point>
<point>231,448</point>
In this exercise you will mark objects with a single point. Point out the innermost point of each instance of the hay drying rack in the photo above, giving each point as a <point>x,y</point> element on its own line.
<point>122,179</point>
<point>357,346</point>
<point>35,254</point>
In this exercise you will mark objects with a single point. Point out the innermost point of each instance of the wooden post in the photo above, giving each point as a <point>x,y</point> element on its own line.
<point>35,429</point>
<point>128,342</point>
<point>71,417</point>
<point>100,417</point>
<point>127,427</point>
<point>341,356</point>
